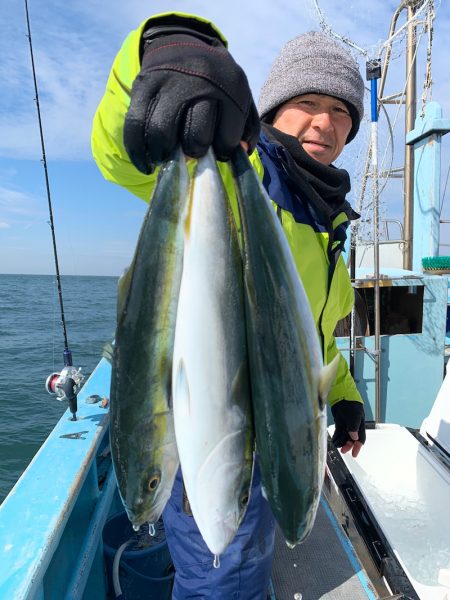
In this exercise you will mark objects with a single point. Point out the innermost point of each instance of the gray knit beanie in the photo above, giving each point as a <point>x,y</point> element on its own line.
<point>314,63</point>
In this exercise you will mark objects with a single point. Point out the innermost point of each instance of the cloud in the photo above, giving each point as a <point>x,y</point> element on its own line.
<point>74,47</point>
<point>17,208</point>
<point>72,61</point>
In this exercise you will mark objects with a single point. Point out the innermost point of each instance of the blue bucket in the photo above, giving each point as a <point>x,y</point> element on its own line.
<point>146,571</point>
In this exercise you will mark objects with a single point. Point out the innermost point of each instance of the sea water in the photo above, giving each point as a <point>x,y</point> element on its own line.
<point>31,348</point>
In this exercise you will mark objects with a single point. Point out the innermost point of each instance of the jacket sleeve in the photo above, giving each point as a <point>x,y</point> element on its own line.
<point>344,387</point>
<point>107,130</point>
<point>339,304</point>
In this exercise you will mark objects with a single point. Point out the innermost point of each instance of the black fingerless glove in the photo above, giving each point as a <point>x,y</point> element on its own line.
<point>189,91</point>
<point>348,416</point>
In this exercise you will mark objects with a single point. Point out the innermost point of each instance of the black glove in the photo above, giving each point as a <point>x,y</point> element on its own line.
<point>348,416</point>
<point>188,91</point>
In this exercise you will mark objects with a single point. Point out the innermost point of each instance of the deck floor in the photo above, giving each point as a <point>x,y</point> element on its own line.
<point>323,567</point>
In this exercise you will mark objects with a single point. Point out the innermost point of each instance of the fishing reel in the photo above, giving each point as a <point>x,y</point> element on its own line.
<point>65,386</point>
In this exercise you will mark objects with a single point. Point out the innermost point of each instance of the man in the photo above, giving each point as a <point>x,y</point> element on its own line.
<point>175,82</point>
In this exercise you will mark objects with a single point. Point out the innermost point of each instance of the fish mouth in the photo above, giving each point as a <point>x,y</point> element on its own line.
<point>142,516</point>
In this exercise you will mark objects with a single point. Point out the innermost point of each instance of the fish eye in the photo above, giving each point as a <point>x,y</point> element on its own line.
<point>154,482</point>
<point>244,499</point>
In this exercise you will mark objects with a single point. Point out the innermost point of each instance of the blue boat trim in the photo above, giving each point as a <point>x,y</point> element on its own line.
<point>58,487</point>
<point>83,567</point>
<point>348,549</point>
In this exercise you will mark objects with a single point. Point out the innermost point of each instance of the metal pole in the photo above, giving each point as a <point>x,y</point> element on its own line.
<point>373,73</point>
<point>381,91</point>
<point>410,117</point>
<point>352,336</point>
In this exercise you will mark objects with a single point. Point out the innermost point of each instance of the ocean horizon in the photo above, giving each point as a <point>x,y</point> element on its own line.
<point>31,348</point>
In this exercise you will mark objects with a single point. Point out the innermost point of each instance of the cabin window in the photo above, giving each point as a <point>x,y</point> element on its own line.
<point>401,311</point>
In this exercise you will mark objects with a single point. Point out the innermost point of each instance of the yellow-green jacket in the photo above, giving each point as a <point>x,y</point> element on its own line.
<point>329,302</point>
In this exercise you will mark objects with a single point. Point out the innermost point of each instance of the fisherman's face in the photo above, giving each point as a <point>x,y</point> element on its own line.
<point>320,123</point>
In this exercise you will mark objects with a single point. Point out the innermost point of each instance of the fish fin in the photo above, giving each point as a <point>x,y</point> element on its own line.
<point>240,387</point>
<point>124,288</point>
<point>327,377</point>
<point>181,389</point>
<point>108,351</point>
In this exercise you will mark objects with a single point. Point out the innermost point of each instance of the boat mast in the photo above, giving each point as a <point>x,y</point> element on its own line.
<point>410,117</point>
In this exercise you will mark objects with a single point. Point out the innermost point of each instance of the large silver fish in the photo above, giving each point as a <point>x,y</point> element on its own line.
<point>210,376</point>
<point>288,380</point>
<point>142,432</point>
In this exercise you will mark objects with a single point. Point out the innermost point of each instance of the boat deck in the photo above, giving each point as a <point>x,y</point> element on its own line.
<point>323,567</point>
<point>337,561</point>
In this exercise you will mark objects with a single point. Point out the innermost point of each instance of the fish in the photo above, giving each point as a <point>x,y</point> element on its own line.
<point>211,392</point>
<point>289,383</point>
<point>142,434</point>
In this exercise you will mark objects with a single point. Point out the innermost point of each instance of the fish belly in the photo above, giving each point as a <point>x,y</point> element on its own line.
<point>210,376</point>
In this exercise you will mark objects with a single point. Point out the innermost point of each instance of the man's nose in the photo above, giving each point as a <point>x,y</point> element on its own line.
<point>323,120</point>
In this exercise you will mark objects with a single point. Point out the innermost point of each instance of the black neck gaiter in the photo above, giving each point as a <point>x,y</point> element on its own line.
<point>324,187</point>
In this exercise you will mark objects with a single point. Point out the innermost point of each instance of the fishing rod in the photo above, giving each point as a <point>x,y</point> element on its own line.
<point>67,383</point>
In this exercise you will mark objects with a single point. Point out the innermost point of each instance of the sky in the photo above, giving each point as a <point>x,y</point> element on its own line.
<point>74,43</point>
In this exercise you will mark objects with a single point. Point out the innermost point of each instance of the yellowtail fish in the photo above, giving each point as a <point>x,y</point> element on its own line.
<point>211,399</point>
<point>289,383</point>
<point>142,432</point>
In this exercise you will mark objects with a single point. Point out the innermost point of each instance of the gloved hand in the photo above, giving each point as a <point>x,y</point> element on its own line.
<point>192,92</point>
<point>350,428</point>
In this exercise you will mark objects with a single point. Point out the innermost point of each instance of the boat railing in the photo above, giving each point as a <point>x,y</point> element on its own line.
<point>52,520</point>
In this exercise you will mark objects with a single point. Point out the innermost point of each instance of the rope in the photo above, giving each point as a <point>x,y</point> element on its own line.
<point>327,29</point>
<point>390,39</point>
<point>428,82</point>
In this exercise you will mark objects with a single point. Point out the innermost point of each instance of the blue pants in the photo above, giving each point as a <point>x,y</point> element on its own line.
<point>246,564</point>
